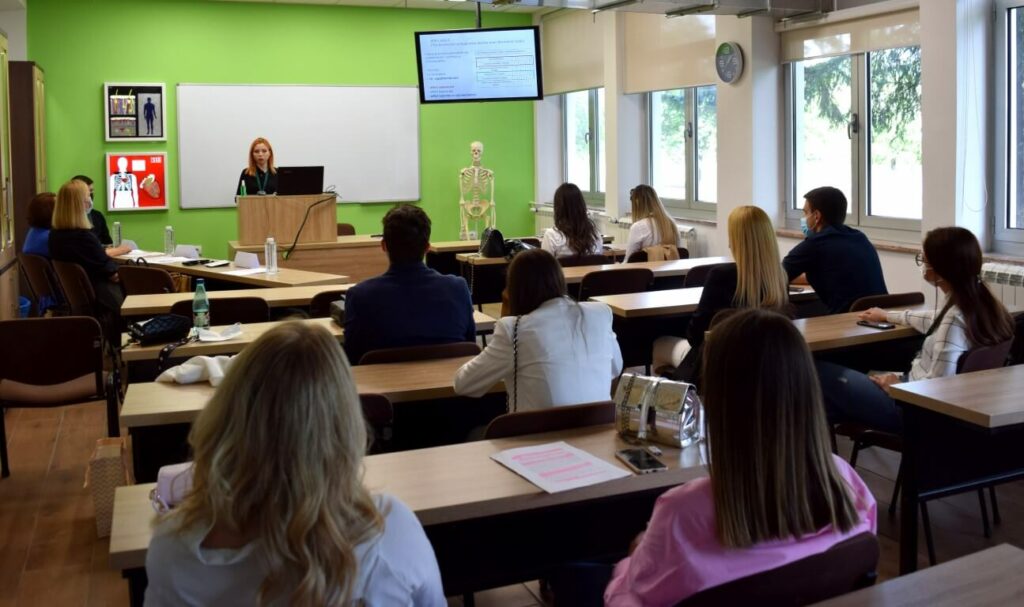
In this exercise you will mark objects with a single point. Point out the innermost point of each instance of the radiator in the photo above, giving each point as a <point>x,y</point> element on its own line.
<point>1006,281</point>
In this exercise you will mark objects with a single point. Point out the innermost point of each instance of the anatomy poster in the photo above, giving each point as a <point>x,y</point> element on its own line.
<point>136,182</point>
<point>134,112</point>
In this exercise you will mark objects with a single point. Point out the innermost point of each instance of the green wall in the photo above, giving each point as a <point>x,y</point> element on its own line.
<point>80,45</point>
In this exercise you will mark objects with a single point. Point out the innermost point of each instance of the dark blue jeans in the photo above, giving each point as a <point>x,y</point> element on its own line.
<point>850,396</point>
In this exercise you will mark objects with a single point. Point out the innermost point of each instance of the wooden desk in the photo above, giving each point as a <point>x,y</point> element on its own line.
<point>359,257</point>
<point>250,333</point>
<point>990,578</point>
<point>669,302</point>
<point>488,526</point>
<point>286,277</point>
<point>842,331</point>
<point>472,246</point>
<point>475,259</point>
<point>960,433</point>
<point>276,297</point>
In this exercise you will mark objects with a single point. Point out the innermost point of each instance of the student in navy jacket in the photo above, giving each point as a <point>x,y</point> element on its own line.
<point>410,304</point>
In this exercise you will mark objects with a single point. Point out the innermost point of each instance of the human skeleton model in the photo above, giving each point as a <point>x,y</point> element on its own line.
<point>124,187</point>
<point>476,195</point>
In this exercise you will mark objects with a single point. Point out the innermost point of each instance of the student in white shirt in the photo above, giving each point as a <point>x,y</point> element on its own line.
<point>551,351</point>
<point>574,233</point>
<point>652,224</point>
<point>278,514</point>
<point>971,317</point>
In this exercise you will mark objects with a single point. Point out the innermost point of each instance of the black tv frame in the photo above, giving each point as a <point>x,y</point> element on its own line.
<point>536,43</point>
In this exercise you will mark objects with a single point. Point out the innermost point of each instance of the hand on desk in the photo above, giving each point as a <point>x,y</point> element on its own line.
<point>874,315</point>
<point>885,381</point>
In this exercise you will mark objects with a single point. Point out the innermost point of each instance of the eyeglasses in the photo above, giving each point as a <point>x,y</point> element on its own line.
<point>919,259</point>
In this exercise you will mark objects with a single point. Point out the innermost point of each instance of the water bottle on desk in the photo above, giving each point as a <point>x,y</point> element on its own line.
<point>168,240</point>
<point>200,306</point>
<point>270,255</point>
<point>117,233</point>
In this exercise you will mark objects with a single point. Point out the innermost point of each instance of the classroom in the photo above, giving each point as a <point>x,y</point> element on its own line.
<point>511,302</point>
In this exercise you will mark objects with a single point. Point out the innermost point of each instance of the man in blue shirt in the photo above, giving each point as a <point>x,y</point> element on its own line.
<point>410,304</point>
<point>838,261</point>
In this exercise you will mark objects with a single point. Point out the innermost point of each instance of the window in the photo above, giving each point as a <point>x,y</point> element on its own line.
<point>683,128</point>
<point>855,123</point>
<point>583,115</point>
<point>1009,207</point>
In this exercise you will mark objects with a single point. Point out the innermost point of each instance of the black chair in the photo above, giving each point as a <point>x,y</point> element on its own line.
<point>551,419</point>
<point>346,229</point>
<point>229,310</point>
<point>615,282</point>
<point>53,362</point>
<point>320,305</point>
<point>892,300</point>
<point>42,281</point>
<point>140,280</point>
<point>77,288</point>
<point>698,275</point>
<point>583,260</point>
<point>380,417</point>
<point>410,353</point>
<point>641,255</point>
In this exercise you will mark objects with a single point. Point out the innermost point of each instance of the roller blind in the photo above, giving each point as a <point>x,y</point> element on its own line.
<point>890,30</point>
<point>664,54</point>
<point>572,51</point>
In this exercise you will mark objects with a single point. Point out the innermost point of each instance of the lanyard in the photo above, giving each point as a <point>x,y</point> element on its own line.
<point>262,187</point>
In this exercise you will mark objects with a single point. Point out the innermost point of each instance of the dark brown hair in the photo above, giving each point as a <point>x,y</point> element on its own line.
<point>771,467</point>
<point>534,277</point>
<point>830,202</point>
<point>572,221</point>
<point>40,210</point>
<point>406,233</point>
<point>955,255</point>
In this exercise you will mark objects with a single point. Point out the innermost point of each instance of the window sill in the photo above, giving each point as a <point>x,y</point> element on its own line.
<point>880,245</point>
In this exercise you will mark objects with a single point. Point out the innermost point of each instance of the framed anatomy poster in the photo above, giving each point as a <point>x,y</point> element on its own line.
<point>134,112</point>
<point>136,182</point>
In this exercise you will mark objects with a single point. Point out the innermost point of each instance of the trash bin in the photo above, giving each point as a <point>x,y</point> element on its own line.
<point>24,306</point>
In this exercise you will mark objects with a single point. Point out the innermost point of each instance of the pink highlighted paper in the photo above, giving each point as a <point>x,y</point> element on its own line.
<point>558,466</point>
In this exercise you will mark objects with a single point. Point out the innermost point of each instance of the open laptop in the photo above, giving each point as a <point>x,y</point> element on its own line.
<point>300,180</point>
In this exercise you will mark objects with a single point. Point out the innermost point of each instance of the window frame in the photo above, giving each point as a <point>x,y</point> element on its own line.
<point>858,210</point>
<point>689,206</point>
<point>1006,239</point>
<point>592,193</point>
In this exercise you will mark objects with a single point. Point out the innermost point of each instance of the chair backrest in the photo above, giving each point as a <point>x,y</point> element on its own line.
<point>551,419</point>
<point>140,280</point>
<point>1017,351</point>
<point>78,290</point>
<point>346,229</point>
<point>698,275</point>
<point>229,310</point>
<point>40,276</point>
<point>892,300</point>
<point>320,305</point>
<point>410,353</point>
<point>847,566</point>
<point>47,351</point>
<point>583,260</point>
<point>984,358</point>
<point>380,417</point>
<point>615,282</point>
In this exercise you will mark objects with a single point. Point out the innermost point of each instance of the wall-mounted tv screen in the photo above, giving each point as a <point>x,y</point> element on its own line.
<point>498,64</point>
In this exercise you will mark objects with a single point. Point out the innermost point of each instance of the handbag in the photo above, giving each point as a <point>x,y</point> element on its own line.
<point>161,329</point>
<point>173,483</point>
<point>658,409</point>
<point>514,247</point>
<point>492,243</point>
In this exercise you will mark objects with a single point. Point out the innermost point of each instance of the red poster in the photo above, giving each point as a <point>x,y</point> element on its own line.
<point>136,181</point>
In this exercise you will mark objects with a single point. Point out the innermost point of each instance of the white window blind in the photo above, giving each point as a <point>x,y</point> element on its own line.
<point>572,51</point>
<point>874,33</point>
<point>663,54</point>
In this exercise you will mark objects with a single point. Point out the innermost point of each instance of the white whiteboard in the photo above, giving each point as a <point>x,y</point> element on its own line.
<point>366,138</point>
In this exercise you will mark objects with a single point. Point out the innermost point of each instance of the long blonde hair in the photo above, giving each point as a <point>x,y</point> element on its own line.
<point>646,204</point>
<point>278,456</point>
<point>69,211</point>
<point>761,281</point>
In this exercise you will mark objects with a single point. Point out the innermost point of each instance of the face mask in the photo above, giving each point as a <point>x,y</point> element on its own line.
<point>804,228</point>
<point>90,206</point>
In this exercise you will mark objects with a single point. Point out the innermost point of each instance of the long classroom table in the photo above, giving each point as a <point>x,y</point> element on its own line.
<point>489,527</point>
<point>285,277</point>
<point>276,297</point>
<point>960,433</point>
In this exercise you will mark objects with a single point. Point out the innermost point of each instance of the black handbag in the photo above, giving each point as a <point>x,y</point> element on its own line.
<point>515,247</point>
<point>161,329</point>
<point>492,243</point>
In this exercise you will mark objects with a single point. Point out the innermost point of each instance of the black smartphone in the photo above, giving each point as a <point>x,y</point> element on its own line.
<point>881,326</point>
<point>641,461</point>
<point>194,262</point>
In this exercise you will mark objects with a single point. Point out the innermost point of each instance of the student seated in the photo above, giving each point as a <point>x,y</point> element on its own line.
<point>99,223</point>
<point>574,233</point>
<point>652,225</point>
<point>410,304</point>
<point>755,280</point>
<point>40,221</point>
<point>840,263</point>
<point>278,513</point>
<point>551,351</point>
<point>762,404</point>
<point>970,317</point>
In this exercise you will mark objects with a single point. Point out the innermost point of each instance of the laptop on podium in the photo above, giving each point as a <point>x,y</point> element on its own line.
<point>297,181</point>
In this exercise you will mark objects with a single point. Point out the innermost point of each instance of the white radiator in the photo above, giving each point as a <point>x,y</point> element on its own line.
<point>1006,282</point>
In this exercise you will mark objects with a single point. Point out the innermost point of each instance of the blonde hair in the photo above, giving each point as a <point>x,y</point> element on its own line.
<point>645,203</point>
<point>278,456</point>
<point>760,279</point>
<point>69,211</point>
<point>251,169</point>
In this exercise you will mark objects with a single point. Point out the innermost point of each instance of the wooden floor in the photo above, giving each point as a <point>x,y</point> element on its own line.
<point>49,553</point>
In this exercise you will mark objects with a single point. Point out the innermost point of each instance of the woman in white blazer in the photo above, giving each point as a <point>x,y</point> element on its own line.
<point>551,351</point>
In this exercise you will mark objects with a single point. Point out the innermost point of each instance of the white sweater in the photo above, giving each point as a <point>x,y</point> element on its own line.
<point>557,244</point>
<point>643,234</point>
<point>942,349</point>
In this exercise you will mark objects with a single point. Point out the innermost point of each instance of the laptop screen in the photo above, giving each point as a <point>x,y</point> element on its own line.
<point>300,180</point>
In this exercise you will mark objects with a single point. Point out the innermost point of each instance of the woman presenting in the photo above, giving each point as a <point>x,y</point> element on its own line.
<point>260,177</point>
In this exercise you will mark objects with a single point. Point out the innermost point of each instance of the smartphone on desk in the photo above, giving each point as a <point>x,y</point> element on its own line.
<point>194,262</point>
<point>793,289</point>
<point>640,461</point>
<point>217,264</point>
<point>881,326</point>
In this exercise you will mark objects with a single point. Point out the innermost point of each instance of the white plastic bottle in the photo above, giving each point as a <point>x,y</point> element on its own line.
<point>169,240</point>
<point>117,234</point>
<point>270,255</point>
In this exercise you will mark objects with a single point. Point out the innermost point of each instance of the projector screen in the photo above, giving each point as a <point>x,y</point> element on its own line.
<point>499,64</point>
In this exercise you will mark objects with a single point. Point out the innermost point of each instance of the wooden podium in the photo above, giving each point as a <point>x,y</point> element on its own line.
<point>260,217</point>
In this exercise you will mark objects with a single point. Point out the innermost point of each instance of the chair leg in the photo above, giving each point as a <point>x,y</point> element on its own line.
<point>113,402</point>
<point>857,446</point>
<point>894,501</point>
<point>998,520</point>
<point>928,540</point>
<point>986,529</point>
<point>5,470</point>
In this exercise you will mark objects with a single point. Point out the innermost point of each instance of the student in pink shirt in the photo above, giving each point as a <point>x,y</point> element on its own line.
<point>775,495</point>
